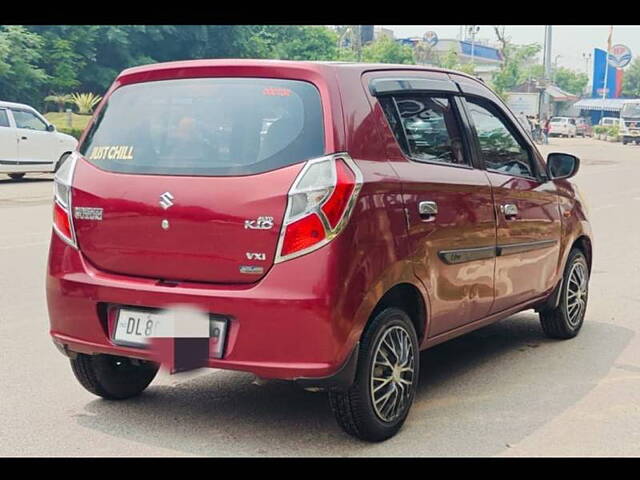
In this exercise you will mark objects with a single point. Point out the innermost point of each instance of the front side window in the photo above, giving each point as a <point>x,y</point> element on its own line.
<point>4,119</point>
<point>501,150</point>
<point>28,120</point>
<point>426,127</point>
<point>207,126</point>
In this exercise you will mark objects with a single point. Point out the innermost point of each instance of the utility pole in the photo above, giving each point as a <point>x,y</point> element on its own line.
<point>587,58</point>
<point>473,30</point>
<point>555,68</point>
<point>547,68</point>
<point>606,71</point>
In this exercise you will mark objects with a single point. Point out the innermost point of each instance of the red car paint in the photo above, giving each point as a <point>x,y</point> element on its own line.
<point>303,317</point>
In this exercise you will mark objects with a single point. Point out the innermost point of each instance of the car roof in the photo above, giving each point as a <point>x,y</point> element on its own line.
<point>310,65</point>
<point>15,105</point>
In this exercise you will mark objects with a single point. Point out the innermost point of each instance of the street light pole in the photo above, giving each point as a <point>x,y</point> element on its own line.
<point>606,71</point>
<point>555,67</point>
<point>473,30</point>
<point>547,66</point>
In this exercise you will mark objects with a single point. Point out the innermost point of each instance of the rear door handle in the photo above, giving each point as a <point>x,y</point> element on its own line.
<point>509,210</point>
<point>427,209</point>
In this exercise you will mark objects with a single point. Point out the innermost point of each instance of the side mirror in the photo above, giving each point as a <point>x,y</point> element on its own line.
<point>51,127</point>
<point>562,165</point>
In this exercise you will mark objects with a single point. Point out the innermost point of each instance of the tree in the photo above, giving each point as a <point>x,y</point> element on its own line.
<point>631,80</point>
<point>514,68</point>
<point>297,42</point>
<point>59,99</point>
<point>20,51</point>
<point>451,61</point>
<point>570,81</point>
<point>387,50</point>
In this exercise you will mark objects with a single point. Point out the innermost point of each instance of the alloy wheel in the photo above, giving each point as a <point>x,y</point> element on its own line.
<point>577,292</point>
<point>392,374</point>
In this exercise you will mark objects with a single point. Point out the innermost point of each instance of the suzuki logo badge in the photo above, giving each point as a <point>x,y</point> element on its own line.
<point>166,200</point>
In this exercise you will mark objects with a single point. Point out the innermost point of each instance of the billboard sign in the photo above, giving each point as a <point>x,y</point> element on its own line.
<point>431,38</point>
<point>600,65</point>
<point>619,56</point>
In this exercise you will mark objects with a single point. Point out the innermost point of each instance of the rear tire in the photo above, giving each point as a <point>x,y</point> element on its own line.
<point>111,377</point>
<point>566,319</point>
<point>16,176</point>
<point>393,394</point>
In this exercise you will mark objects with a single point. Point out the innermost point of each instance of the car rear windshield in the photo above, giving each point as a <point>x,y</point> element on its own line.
<point>207,126</point>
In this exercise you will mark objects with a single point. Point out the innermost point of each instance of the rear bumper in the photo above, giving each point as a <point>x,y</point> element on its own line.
<point>283,326</point>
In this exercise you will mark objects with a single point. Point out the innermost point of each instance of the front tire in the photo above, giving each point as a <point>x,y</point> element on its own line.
<point>375,407</point>
<point>111,377</point>
<point>566,319</point>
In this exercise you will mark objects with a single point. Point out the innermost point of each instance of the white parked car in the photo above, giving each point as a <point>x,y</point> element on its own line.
<point>29,143</point>
<point>609,121</point>
<point>562,126</point>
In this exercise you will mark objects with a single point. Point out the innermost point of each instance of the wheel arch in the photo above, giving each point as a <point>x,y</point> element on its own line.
<point>408,298</point>
<point>583,243</point>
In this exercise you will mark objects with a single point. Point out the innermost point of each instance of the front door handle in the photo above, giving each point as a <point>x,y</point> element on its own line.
<point>509,210</point>
<point>427,209</point>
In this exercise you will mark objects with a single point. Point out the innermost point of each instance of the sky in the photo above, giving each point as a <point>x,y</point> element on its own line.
<point>568,41</point>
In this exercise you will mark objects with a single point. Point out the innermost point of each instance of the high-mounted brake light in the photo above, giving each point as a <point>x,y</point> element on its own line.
<point>320,202</point>
<point>62,221</point>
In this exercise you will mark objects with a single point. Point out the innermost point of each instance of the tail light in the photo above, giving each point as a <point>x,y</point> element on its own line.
<point>320,202</point>
<point>62,221</point>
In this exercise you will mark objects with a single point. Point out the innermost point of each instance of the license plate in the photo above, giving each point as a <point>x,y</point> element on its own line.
<point>136,327</point>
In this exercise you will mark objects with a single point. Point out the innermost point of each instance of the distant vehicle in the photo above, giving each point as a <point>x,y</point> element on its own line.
<point>562,127</point>
<point>630,122</point>
<point>609,121</point>
<point>583,127</point>
<point>29,143</point>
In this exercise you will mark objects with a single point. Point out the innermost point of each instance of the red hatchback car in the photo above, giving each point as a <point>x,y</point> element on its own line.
<point>327,220</point>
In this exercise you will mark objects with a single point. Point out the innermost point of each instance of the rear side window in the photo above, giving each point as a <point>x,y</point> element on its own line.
<point>426,127</point>
<point>4,119</point>
<point>28,121</point>
<point>207,126</point>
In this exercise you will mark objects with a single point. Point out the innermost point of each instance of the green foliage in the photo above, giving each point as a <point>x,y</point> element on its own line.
<point>631,80</point>
<point>21,77</point>
<point>571,81</point>
<point>613,130</point>
<point>600,129</point>
<point>387,50</point>
<point>59,99</point>
<point>85,102</point>
<point>297,42</point>
<point>514,70</point>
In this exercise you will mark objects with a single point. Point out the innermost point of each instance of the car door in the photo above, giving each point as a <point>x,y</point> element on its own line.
<point>8,140</point>
<point>36,145</point>
<point>526,206</point>
<point>448,201</point>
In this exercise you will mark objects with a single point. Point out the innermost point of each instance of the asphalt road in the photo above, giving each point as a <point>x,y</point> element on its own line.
<point>504,390</point>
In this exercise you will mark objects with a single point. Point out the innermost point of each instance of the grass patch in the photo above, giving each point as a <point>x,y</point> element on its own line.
<point>59,119</point>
